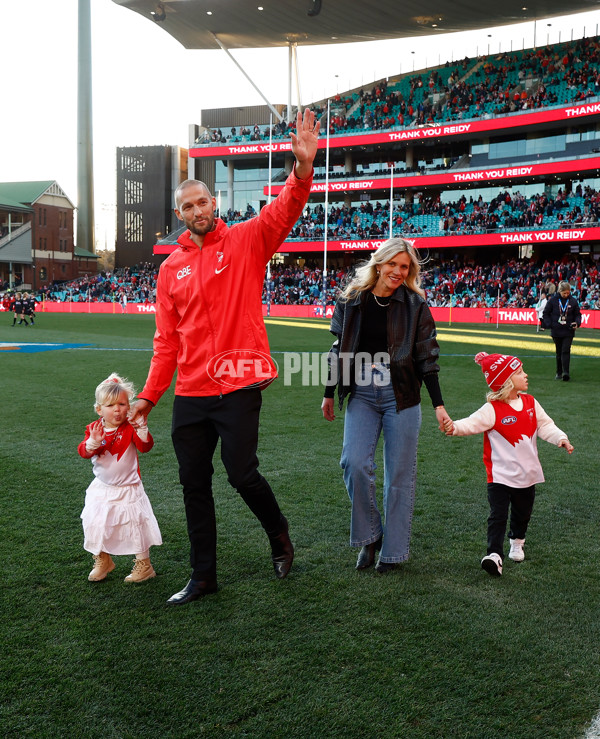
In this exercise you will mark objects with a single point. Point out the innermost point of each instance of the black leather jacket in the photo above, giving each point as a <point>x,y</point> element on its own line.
<point>412,345</point>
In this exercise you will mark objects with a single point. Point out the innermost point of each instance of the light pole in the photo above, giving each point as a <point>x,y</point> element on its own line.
<point>85,161</point>
<point>326,214</point>
<point>391,199</point>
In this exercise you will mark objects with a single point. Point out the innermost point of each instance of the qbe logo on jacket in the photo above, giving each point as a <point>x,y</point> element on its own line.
<point>184,272</point>
<point>242,368</point>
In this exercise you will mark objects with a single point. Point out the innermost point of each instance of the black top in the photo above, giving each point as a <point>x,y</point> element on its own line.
<point>373,331</point>
<point>412,345</point>
<point>560,314</point>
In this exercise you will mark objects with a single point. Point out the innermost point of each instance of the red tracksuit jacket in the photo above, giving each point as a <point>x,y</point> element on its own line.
<point>209,323</point>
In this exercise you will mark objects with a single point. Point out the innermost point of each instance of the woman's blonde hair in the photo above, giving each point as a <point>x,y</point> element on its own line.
<point>109,390</point>
<point>367,274</point>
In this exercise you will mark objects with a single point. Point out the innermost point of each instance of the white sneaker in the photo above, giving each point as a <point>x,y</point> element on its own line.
<point>492,564</point>
<point>516,550</point>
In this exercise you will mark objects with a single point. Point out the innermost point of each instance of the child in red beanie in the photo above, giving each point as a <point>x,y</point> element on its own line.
<point>510,420</point>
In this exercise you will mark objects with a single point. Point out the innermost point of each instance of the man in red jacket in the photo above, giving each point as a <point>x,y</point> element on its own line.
<point>209,327</point>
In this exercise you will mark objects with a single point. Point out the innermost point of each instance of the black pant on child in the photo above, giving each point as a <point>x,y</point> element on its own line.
<point>500,497</point>
<point>198,424</point>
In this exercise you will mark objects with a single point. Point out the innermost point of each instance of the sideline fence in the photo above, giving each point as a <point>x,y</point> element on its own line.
<point>504,316</point>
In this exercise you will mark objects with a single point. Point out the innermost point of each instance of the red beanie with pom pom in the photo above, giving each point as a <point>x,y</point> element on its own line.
<point>497,368</point>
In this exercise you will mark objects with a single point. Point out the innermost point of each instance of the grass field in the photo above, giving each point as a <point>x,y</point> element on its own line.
<point>438,649</point>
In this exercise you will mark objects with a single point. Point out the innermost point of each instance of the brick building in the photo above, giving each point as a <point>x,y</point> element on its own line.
<point>36,236</point>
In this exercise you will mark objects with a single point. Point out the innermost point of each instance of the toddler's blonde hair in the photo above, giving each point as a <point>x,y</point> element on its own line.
<point>109,390</point>
<point>501,394</point>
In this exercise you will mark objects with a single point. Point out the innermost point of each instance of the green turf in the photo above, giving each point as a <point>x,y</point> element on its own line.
<point>438,649</point>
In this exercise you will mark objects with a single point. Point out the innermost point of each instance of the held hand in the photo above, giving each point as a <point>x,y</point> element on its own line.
<point>97,432</point>
<point>138,414</point>
<point>305,142</point>
<point>141,422</point>
<point>566,444</point>
<point>442,417</point>
<point>448,427</point>
<point>327,408</point>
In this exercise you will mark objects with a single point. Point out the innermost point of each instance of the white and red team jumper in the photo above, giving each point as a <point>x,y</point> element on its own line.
<point>511,429</point>
<point>117,517</point>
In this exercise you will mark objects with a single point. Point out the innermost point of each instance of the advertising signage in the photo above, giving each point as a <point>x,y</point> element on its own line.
<point>571,235</point>
<point>547,236</point>
<point>450,177</point>
<point>421,133</point>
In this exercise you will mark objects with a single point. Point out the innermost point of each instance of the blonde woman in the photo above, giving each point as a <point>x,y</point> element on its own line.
<point>385,349</point>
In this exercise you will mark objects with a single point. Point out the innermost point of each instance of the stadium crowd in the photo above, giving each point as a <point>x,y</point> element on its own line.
<point>508,211</point>
<point>135,284</point>
<point>496,84</point>
<point>514,211</point>
<point>515,283</point>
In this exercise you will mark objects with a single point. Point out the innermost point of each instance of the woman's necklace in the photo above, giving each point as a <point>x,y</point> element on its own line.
<point>381,305</point>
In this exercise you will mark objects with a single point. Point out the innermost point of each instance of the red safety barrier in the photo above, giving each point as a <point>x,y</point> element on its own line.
<point>505,316</point>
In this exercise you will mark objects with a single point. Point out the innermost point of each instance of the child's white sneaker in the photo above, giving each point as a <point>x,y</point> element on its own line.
<point>516,550</point>
<point>103,564</point>
<point>492,564</point>
<point>142,570</point>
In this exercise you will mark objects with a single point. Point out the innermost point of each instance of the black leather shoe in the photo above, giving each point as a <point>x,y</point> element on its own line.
<point>566,378</point>
<point>282,550</point>
<point>385,568</point>
<point>366,556</point>
<point>193,590</point>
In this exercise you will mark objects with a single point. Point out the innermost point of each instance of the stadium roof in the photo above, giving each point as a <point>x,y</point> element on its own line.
<point>254,24</point>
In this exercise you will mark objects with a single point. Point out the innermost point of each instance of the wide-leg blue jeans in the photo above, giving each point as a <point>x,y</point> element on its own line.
<point>371,410</point>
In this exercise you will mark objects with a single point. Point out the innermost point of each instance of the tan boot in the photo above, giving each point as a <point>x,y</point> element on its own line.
<point>142,570</point>
<point>103,564</point>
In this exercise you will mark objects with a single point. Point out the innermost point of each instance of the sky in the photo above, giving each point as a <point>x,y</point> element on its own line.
<point>147,88</point>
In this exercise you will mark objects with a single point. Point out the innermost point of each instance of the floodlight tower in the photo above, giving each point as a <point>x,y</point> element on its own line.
<point>85,161</point>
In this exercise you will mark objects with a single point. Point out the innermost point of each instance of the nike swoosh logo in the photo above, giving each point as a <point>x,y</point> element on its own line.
<point>218,271</point>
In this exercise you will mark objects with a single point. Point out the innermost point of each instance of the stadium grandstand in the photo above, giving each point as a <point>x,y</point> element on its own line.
<point>486,161</point>
<point>517,283</point>
<point>489,164</point>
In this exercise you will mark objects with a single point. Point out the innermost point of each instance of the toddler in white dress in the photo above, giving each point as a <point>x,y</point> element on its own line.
<point>117,516</point>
